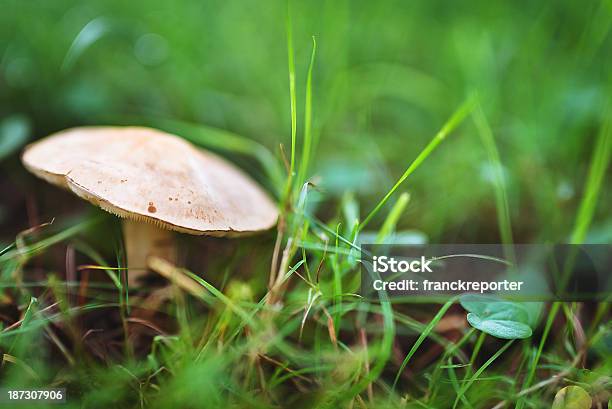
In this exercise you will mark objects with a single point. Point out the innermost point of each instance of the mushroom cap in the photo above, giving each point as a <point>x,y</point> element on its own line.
<point>148,175</point>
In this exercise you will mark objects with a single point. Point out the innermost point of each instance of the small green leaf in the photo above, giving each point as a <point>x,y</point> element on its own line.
<point>505,329</point>
<point>502,319</point>
<point>572,397</point>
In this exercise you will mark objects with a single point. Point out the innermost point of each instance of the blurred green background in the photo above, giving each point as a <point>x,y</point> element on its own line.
<point>388,74</point>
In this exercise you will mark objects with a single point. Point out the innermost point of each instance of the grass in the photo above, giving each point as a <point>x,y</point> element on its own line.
<point>599,164</point>
<point>436,319</point>
<point>276,320</point>
<point>501,196</point>
<point>446,129</point>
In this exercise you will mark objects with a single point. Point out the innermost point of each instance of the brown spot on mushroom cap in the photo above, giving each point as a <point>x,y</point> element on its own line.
<point>216,197</point>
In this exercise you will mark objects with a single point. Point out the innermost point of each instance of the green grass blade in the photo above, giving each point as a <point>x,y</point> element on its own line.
<point>422,338</point>
<point>501,196</point>
<point>452,123</point>
<point>306,151</point>
<point>337,283</point>
<point>391,221</point>
<point>102,264</point>
<point>292,94</point>
<point>35,248</point>
<point>7,248</point>
<point>225,300</point>
<point>597,172</point>
<point>480,370</point>
<point>25,322</point>
<point>455,384</point>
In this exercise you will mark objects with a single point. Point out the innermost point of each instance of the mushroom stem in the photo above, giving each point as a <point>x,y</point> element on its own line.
<point>143,240</point>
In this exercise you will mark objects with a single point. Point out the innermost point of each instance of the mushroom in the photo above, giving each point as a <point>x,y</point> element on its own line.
<point>156,182</point>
